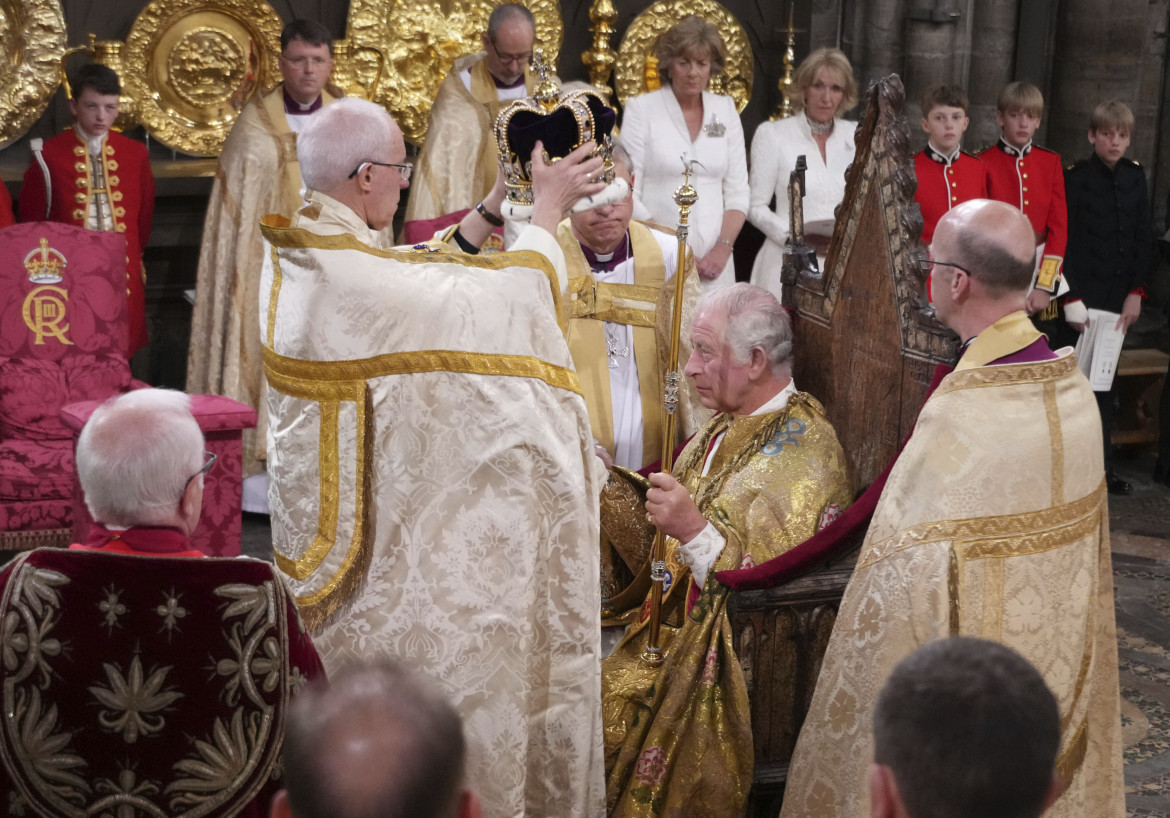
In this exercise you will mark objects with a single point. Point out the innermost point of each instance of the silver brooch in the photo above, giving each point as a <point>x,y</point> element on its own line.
<point>714,128</point>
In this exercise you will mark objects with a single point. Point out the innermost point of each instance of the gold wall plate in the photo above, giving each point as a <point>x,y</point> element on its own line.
<point>421,41</point>
<point>32,43</point>
<point>192,66</point>
<point>647,27</point>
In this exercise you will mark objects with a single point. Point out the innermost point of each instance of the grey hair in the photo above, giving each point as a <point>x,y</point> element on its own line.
<point>754,320</point>
<point>341,136</point>
<point>135,456</point>
<point>410,759</point>
<point>504,13</point>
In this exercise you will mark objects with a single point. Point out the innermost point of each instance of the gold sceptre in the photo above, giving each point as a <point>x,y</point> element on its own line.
<point>685,197</point>
<point>601,58</point>
<point>785,84</point>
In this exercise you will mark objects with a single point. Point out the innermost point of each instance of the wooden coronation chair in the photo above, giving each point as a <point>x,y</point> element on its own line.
<point>868,346</point>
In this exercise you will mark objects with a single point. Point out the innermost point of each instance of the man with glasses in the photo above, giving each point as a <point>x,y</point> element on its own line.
<point>457,166</point>
<point>258,174</point>
<point>139,660</point>
<point>434,490</point>
<point>992,523</point>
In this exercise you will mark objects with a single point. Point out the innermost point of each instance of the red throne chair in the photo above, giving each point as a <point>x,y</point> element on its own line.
<point>62,352</point>
<point>62,339</point>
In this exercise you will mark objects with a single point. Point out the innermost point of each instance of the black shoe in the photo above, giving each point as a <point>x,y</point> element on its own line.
<point>1116,485</point>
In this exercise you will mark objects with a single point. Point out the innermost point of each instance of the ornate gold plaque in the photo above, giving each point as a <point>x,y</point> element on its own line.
<point>32,36</point>
<point>647,27</point>
<point>192,65</point>
<point>421,41</point>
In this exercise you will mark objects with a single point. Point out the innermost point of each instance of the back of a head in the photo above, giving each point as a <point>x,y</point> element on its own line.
<point>994,242</point>
<point>341,136</point>
<point>101,78</point>
<point>136,454</point>
<point>969,730</point>
<point>375,742</point>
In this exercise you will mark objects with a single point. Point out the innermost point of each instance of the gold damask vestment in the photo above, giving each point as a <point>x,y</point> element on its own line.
<point>434,492</point>
<point>993,523</point>
<point>458,163</point>
<point>678,738</point>
<point>258,173</point>
<point>646,306</point>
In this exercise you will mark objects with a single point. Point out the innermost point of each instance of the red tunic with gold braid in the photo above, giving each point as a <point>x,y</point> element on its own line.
<point>130,186</point>
<point>1032,179</point>
<point>945,182</point>
<point>5,206</point>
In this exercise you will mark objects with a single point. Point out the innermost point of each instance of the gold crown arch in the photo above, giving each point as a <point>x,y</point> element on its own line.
<point>192,66</point>
<point>642,35</point>
<point>32,36</point>
<point>420,42</point>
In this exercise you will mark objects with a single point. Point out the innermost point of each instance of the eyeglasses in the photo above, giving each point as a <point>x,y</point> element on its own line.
<point>404,168</point>
<point>208,461</point>
<point>521,59</point>
<point>928,264</point>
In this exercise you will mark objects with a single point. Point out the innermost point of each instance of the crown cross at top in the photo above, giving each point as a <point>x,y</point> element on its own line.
<point>45,265</point>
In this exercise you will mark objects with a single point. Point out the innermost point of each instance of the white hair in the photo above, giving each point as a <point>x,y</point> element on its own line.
<point>754,320</point>
<point>341,136</point>
<point>135,456</point>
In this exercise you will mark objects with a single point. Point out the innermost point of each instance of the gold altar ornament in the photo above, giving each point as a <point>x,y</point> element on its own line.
<point>192,65</point>
<point>357,70</point>
<point>647,27</point>
<point>421,41</point>
<point>32,35</point>
<point>601,59</point>
<point>786,80</point>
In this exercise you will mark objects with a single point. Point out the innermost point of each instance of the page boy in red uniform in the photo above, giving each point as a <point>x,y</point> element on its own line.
<point>946,174</point>
<point>94,178</point>
<point>1030,178</point>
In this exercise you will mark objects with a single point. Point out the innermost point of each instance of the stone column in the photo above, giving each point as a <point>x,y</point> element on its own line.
<point>993,36</point>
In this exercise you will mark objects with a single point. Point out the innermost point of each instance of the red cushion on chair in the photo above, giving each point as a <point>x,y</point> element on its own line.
<point>32,392</point>
<point>36,469</point>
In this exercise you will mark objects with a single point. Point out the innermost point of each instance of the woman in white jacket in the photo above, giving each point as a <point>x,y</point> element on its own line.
<point>827,88</point>
<point>683,118</point>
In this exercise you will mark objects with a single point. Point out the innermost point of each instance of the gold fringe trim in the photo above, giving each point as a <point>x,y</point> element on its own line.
<point>333,380</point>
<point>1068,763</point>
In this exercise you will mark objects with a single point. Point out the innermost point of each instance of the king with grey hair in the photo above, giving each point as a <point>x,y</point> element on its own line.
<point>761,477</point>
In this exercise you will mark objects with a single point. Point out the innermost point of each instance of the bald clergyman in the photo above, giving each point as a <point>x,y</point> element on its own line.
<point>992,524</point>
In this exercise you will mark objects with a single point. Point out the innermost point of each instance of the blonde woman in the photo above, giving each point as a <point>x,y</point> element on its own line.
<point>684,118</point>
<point>816,130</point>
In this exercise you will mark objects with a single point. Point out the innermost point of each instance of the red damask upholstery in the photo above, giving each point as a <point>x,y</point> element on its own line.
<point>63,326</point>
<point>222,421</point>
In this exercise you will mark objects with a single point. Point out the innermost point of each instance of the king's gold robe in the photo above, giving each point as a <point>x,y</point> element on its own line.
<point>258,173</point>
<point>458,163</point>
<point>678,738</point>
<point>434,492</point>
<point>992,523</point>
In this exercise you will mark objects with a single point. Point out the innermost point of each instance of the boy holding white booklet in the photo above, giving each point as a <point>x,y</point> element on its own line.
<point>1109,249</point>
